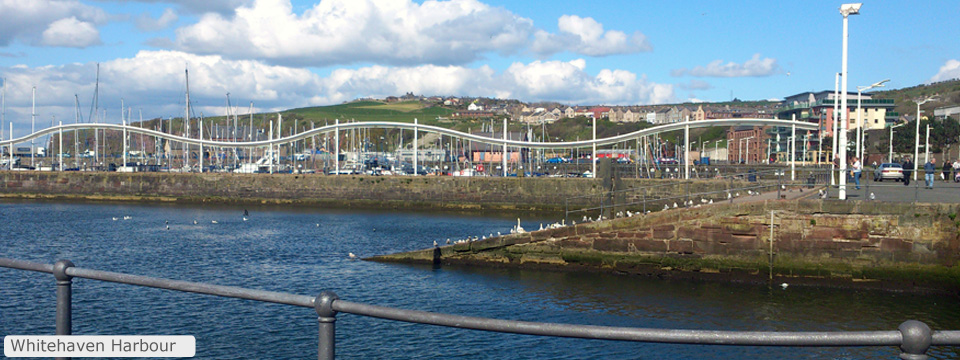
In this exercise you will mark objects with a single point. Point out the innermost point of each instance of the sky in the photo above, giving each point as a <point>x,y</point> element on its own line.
<point>282,54</point>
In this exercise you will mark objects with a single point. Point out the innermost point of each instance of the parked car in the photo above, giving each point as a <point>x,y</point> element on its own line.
<point>888,171</point>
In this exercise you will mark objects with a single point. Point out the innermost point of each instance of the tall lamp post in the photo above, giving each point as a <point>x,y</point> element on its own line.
<point>836,111</point>
<point>846,10</point>
<point>746,157</point>
<point>890,155</point>
<point>916,146</point>
<point>860,123</point>
<point>715,151</point>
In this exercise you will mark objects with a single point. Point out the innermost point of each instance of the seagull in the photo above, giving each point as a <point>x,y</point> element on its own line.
<point>127,217</point>
<point>710,202</point>
<point>351,255</point>
<point>214,222</point>
<point>435,243</point>
<point>318,224</point>
<point>872,197</point>
<point>244,218</point>
<point>737,194</point>
<point>666,207</point>
<point>194,222</point>
<point>729,196</point>
<point>114,218</point>
<point>784,285</point>
<point>823,194</point>
<point>674,204</point>
<point>166,221</point>
<point>448,241</point>
<point>168,227</point>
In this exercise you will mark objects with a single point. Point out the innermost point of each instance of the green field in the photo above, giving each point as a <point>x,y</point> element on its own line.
<point>369,111</point>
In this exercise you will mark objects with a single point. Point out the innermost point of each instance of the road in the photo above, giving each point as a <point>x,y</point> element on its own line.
<point>942,192</point>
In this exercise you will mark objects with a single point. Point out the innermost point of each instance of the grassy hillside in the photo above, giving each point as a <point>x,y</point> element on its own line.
<point>947,92</point>
<point>369,111</point>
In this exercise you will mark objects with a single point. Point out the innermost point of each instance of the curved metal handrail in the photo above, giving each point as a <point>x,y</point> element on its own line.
<point>412,126</point>
<point>913,337</point>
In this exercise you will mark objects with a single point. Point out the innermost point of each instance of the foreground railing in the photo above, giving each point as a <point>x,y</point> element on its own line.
<point>913,337</point>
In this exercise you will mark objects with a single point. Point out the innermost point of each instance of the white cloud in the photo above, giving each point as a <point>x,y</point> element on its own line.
<point>154,81</point>
<point>197,6</point>
<point>585,36</point>
<point>949,71</point>
<point>568,82</point>
<point>146,22</point>
<point>696,84</point>
<point>755,67</point>
<point>70,32</point>
<point>28,20</point>
<point>352,31</point>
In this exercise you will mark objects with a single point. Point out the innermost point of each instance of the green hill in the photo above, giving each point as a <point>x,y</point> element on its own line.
<point>369,111</point>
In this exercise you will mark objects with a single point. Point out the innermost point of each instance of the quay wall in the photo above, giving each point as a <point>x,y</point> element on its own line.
<point>864,244</point>
<point>402,192</point>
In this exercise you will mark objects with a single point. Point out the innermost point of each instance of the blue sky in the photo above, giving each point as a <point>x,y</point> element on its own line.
<point>283,54</point>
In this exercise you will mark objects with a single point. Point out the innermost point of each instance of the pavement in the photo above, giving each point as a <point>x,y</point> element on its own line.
<point>888,190</point>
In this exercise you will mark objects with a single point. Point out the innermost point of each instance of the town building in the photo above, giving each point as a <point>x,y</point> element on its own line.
<point>748,144</point>
<point>941,113</point>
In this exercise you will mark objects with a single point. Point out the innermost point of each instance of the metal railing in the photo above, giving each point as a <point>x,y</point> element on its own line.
<point>913,337</point>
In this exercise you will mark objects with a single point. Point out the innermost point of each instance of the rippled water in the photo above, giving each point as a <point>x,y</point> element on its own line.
<point>304,251</point>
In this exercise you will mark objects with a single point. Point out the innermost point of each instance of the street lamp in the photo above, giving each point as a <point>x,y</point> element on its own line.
<point>890,155</point>
<point>860,124</point>
<point>846,10</point>
<point>715,153</point>
<point>916,146</point>
<point>746,156</point>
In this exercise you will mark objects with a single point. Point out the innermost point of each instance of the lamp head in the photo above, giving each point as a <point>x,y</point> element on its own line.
<point>850,9</point>
<point>926,100</point>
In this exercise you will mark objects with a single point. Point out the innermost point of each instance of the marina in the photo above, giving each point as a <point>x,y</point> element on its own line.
<point>306,251</point>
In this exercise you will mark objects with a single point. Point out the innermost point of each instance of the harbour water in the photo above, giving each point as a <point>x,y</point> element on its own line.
<point>304,251</point>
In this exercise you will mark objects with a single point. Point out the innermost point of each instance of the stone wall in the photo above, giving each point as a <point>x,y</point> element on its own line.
<point>852,243</point>
<point>427,192</point>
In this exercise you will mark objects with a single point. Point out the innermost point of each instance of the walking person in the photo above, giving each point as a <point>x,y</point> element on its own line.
<point>857,169</point>
<point>907,171</point>
<point>929,169</point>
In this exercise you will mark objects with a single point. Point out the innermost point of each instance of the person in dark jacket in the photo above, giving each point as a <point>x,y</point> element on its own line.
<point>929,169</point>
<point>907,171</point>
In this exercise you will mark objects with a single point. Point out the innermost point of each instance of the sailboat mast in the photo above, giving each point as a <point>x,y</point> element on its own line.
<point>33,123</point>
<point>95,110</point>
<point>186,122</point>
<point>3,108</point>
<point>76,140</point>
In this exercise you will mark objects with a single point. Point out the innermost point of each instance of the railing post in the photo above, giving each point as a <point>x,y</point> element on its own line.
<point>64,298</point>
<point>323,304</point>
<point>917,337</point>
<point>779,186</point>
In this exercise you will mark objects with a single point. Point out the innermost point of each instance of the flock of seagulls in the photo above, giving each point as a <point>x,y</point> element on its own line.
<point>166,223</point>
